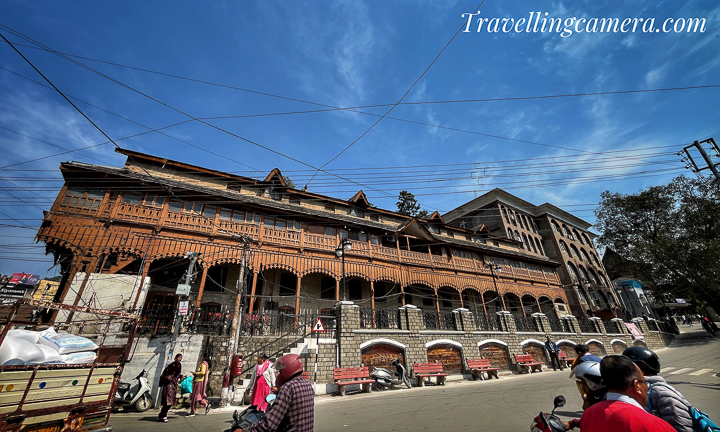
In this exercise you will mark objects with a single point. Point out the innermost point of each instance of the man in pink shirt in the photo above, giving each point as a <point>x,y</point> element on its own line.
<point>627,395</point>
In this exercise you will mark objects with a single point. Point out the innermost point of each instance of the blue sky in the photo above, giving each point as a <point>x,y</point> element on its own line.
<point>349,54</point>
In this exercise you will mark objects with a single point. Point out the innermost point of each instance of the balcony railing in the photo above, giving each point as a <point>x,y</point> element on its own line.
<point>278,324</point>
<point>379,318</point>
<point>526,324</point>
<point>613,327</point>
<point>489,322</point>
<point>586,326</point>
<point>559,325</point>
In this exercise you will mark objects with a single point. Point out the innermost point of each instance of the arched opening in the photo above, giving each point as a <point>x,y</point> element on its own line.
<point>539,247</point>
<point>513,305</point>
<point>568,347</point>
<point>493,302</point>
<point>449,298</point>
<point>382,354</point>
<point>319,291</point>
<point>547,307</point>
<point>530,306</point>
<point>596,348</point>
<point>387,294</point>
<point>497,352</point>
<point>449,355</point>
<point>420,295</point>
<point>537,350</point>
<point>619,346</point>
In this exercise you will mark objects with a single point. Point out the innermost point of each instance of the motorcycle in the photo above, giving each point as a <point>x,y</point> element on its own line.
<point>250,415</point>
<point>137,395</point>
<point>384,378</point>
<point>549,422</point>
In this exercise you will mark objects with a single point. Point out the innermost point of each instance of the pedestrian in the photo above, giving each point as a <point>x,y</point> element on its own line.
<point>708,325</point>
<point>666,402</point>
<point>554,352</point>
<point>583,355</point>
<point>645,317</point>
<point>169,383</point>
<point>690,320</point>
<point>294,408</point>
<point>627,395</point>
<point>262,382</point>
<point>199,394</point>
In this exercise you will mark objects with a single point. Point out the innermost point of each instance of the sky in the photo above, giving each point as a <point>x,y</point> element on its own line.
<point>248,86</point>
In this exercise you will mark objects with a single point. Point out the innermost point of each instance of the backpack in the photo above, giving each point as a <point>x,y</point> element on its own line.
<point>701,421</point>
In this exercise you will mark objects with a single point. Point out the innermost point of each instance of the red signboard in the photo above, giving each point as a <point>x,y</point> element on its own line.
<point>24,279</point>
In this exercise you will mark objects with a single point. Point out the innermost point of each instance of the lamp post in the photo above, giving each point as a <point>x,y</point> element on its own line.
<point>341,250</point>
<point>493,268</point>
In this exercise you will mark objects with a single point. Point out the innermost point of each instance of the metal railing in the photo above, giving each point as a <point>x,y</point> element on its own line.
<point>559,325</point>
<point>586,326</point>
<point>276,324</point>
<point>379,318</point>
<point>488,322</point>
<point>527,324</point>
<point>210,323</point>
<point>447,320</point>
<point>613,327</point>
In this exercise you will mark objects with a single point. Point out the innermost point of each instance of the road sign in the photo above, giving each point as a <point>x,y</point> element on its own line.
<point>318,327</point>
<point>184,307</point>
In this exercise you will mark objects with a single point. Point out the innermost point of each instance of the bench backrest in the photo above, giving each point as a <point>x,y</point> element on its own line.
<point>478,363</point>
<point>563,355</point>
<point>351,373</point>
<point>524,358</point>
<point>423,368</point>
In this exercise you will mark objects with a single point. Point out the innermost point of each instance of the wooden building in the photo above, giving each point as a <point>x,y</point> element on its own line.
<point>143,218</point>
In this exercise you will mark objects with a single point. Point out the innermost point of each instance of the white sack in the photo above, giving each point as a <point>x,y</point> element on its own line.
<point>32,336</point>
<point>83,357</point>
<point>14,351</point>
<point>67,343</point>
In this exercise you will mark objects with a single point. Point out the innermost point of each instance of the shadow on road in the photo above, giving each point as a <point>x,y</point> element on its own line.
<point>693,338</point>
<point>573,414</point>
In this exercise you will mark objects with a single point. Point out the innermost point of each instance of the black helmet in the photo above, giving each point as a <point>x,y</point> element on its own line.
<point>643,357</point>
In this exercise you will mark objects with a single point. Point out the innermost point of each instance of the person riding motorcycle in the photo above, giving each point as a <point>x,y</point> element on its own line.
<point>294,408</point>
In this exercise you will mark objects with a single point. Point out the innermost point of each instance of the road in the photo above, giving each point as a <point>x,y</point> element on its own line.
<point>692,365</point>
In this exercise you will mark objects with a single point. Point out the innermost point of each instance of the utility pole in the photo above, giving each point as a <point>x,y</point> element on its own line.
<point>183,290</point>
<point>237,313</point>
<point>712,166</point>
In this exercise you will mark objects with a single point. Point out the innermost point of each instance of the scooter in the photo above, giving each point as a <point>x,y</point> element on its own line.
<point>384,377</point>
<point>549,422</point>
<point>137,395</point>
<point>250,415</point>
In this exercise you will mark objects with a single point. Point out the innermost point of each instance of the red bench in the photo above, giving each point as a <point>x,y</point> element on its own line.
<point>526,363</point>
<point>429,370</point>
<point>350,376</point>
<point>478,366</point>
<point>564,358</point>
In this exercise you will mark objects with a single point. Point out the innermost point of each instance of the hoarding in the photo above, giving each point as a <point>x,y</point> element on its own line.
<point>24,279</point>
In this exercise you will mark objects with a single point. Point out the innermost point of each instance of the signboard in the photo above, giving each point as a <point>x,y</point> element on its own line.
<point>318,327</point>
<point>183,290</point>
<point>184,307</point>
<point>25,279</point>
<point>634,331</point>
<point>12,291</point>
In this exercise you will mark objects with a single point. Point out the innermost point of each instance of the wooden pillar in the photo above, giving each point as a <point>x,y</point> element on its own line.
<point>297,296</point>
<point>461,300</point>
<point>337,290</point>
<point>252,292</point>
<point>89,267</point>
<point>202,285</point>
<point>502,299</point>
<point>482,300</point>
<point>522,306</point>
<point>372,302</point>
<point>74,269</point>
<point>402,295</point>
<point>538,305</point>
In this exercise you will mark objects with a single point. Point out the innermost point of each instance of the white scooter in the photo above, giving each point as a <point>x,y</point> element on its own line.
<point>137,395</point>
<point>384,377</point>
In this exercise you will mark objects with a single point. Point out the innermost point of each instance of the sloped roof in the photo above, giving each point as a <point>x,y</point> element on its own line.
<point>359,198</point>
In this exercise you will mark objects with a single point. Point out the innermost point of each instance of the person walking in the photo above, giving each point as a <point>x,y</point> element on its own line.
<point>199,394</point>
<point>663,399</point>
<point>554,352</point>
<point>583,355</point>
<point>169,383</point>
<point>262,382</point>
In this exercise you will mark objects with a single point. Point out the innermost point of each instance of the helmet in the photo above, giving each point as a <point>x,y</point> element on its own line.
<point>643,357</point>
<point>288,365</point>
<point>590,373</point>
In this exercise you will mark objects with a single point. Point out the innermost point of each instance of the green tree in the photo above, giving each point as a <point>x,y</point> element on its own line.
<point>288,182</point>
<point>668,236</point>
<point>408,205</point>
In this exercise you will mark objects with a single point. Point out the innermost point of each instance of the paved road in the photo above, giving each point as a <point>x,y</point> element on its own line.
<point>692,365</point>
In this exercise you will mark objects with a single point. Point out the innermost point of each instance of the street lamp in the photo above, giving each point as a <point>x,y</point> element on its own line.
<point>340,251</point>
<point>496,268</point>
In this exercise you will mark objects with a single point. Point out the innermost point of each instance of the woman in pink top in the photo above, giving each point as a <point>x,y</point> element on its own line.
<point>262,382</point>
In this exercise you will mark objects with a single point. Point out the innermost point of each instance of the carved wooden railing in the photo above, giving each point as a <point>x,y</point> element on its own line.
<point>415,257</point>
<point>139,213</point>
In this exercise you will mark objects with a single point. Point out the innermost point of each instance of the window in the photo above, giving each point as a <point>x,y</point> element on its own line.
<point>584,255</point>
<point>504,213</point>
<point>277,223</point>
<point>573,273</point>
<point>374,239</point>
<point>524,222</point>
<point>574,251</point>
<point>82,199</point>
<point>330,231</point>
<point>587,240</point>
<point>270,193</point>
<point>193,207</point>
<point>576,236</point>
<point>362,237</point>
<point>231,215</point>
<point>594,258</point>
<point>517,236</point>
<point>253,218</point>
<point>534,226</point>
<point>525,243</point>
<point>209,211</point>
<point>603,281</point>
<point>293,225</point>
<point>375,218</point>
<point>539,246</point>
<point>316,229</point>
<point>343,234</point>
<point>175,205</point>
<point>355,211</point>
<point>129,198</point>
<point>567,232</point>
<point>555,226</point>
<point>330,208</point>
<point>583,274</point>
<point>563,248</point>
<point>510,234</point>
<point>433,228</point>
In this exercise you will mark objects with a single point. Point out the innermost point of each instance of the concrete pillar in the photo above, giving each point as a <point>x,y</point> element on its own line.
<point>348,322</point>
<point>507,321</point>
<point>542,322</point>
<point>641,325</point>
<point>413,318</point>
<point>598,324</point>
<point>464,320</point>
<point>621,325</point>
<point>572,323</point>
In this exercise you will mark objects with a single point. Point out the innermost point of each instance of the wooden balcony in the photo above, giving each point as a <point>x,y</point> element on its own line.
<point>162,218</point>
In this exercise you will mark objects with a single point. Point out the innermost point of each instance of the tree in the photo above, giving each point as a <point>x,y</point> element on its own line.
<point>408,205</point>
<point>668,236</point>
<point>288,182</point>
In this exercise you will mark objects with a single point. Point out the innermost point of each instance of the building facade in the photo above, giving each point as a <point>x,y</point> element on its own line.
<point>549,232</point>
